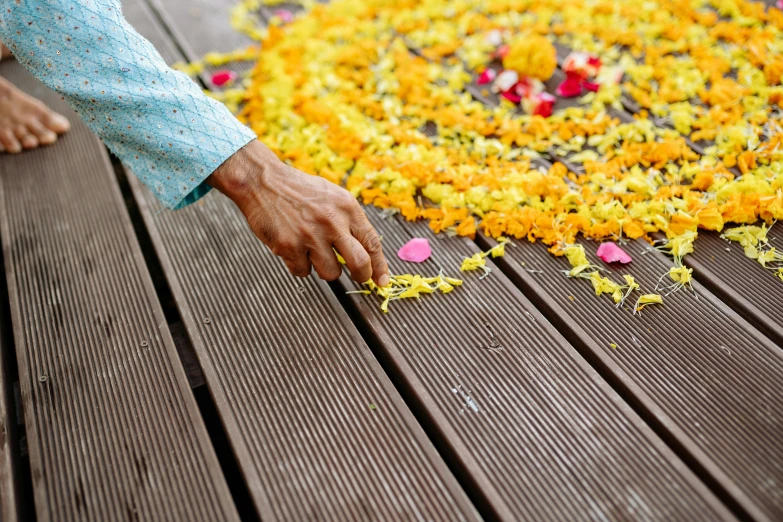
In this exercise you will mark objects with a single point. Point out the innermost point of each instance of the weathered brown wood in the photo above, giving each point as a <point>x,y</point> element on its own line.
<point>742,470</point>
<point>8,486</point>
<point>114,432</point>
<point>706,380</point>
<point>534,430</point>
<point>318,429</point>
<point>753,291</point>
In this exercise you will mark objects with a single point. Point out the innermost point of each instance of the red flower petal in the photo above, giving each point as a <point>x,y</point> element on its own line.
<point>569,88</point>
<point>523,87</point>
<point>220,78</point>
<point>511,96</point>
<point>543,104</point>
<point>611,253</point>
<point>487,76</point>
<point>590,86</point>
<point>593,61</point>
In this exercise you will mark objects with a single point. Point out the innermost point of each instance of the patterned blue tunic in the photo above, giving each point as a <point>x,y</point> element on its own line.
<point>156,120</point>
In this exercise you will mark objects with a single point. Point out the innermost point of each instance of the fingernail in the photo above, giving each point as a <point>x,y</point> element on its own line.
<point>384,280</point>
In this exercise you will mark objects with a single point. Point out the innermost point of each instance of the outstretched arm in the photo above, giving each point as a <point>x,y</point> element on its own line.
<point>179,141</point>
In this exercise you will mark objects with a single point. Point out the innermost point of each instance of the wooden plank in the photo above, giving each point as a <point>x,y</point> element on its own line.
<point>331,438</point>
<point>536,431</point>
<point>726,467</point>
<point>753,291</point>
<point>496,493</point>
<point>8,486</point>
<point>113,430</point>
<point>200,27</point>
<point>318,429</point>
<point>700,374</point>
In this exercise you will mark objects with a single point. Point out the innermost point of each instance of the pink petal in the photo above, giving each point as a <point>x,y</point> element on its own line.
<point>780,5</point>
<point>611,253</point>
<point>511,96</point>
<point>417,250</point>
<point>285,15</point>
<point>221,78</point>
<point>487,76</point>
<point>590,86</point>
<point>569,88</point>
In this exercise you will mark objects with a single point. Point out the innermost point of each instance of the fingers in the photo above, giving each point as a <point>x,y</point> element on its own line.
<point>9,141</point>
<point>325,263</point>
<point>371,243</point>
<point>299,266</point>
<point>356,258</point>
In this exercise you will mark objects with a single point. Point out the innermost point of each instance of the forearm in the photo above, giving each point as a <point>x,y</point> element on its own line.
<point>156,120</point>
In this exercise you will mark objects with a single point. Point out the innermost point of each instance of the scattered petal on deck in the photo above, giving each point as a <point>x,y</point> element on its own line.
<point>417,250</point>
<point>610,252</point>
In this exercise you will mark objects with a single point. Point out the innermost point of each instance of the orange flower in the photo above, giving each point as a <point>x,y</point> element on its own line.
<point>467,228</point>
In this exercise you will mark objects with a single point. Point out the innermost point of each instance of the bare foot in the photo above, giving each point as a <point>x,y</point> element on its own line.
<point>26,123</point>
<point>5,52</point>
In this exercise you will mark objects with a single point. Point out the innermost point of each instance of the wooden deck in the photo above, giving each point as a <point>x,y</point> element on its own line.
<point>161,365</point>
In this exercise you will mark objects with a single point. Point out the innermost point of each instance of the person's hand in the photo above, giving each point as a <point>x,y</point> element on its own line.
<point>301,217</point>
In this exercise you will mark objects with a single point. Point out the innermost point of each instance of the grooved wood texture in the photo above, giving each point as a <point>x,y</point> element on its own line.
<point>705,377</point>
<point>8,487</point>
<point>521,414</point>
<point>319,431</point>
<point>113,430</point>
<point>201,27</point>
<point>753,291</point>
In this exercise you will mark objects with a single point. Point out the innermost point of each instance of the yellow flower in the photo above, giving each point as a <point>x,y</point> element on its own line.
<point>647,299</point>
<point>604,285</point>
<point>408,286</point>
<point>475,262</point>
<point>681,275</point>
<point>498,250</point>
<point>532,55</point>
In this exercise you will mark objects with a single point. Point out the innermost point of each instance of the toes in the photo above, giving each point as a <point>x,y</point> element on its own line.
<point>45,136</point>
<point>9,141</point>
<point>27,140</point>
<point>56,122</point>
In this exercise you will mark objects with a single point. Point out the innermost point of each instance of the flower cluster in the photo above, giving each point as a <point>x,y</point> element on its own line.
<point>381,105</point>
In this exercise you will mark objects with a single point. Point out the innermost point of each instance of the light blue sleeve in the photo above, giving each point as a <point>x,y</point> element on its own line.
<point>155,119</point>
